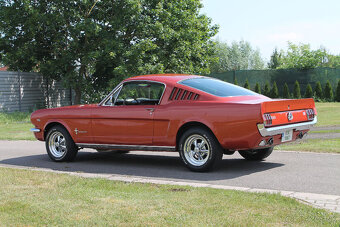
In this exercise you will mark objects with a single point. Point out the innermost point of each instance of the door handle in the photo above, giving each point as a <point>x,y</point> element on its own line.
<point>150,109</point>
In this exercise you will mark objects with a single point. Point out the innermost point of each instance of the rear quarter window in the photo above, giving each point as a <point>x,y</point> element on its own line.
<point>216,87</point>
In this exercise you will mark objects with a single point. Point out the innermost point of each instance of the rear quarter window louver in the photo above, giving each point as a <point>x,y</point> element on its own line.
<point>180,94</point>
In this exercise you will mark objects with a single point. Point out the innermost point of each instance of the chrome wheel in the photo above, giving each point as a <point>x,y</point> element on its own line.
<point>196,150</point>
<point>57,144</point>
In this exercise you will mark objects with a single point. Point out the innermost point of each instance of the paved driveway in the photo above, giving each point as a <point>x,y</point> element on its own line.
<point>290,171</point>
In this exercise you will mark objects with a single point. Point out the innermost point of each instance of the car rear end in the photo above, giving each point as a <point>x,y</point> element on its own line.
<point>285,121</point>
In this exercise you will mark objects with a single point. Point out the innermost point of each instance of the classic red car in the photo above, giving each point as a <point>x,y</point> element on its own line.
<point>200,117</point>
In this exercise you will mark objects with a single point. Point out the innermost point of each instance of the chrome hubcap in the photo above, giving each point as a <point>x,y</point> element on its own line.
<point>196,150</point>
<point>57,144</point>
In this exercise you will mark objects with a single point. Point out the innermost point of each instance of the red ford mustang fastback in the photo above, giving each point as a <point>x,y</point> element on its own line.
<point>200,117</point>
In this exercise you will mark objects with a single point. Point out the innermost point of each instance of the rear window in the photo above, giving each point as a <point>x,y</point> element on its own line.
<point>216,87</point>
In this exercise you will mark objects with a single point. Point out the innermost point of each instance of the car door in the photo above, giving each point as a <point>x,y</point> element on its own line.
<point>126,118</point>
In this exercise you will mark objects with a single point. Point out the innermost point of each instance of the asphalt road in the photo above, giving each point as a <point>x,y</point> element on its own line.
<point>291,171</point>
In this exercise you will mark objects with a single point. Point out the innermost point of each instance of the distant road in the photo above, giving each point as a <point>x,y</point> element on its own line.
<point>291,171</point>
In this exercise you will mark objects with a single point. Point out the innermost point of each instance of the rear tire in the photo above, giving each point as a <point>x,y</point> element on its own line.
<point>256,155</point>
<point>60,146</point>
<point>200,150</point>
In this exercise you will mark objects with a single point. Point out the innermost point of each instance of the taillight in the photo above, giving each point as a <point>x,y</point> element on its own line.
<point>267,120</point>
<point>310,114</point>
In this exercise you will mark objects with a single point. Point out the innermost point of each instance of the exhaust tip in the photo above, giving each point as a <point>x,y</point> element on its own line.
<point>270,141</point>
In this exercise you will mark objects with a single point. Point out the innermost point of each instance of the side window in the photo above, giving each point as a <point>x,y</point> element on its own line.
<point>112,99</point>
<point>140,93</point>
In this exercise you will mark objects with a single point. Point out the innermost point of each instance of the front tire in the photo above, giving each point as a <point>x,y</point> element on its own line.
<point>256,155</point>
<point>200,150</point>
<point>60,146</point>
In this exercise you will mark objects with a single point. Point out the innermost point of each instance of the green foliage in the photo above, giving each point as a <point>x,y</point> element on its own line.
<point>237,56</point>
<point>309,91</point>
<point>302,57</point>
<point>333,61</point>
<point>274,93</point>
<point>318,90</point>
<point>88,43</point>
<point>297,92</point>
<point>275,60</point>
<point>246,85</point>
<point>257,88</point>
<point>328,91</point>
<point>235,81</point>
<point>338,92</point>
<point>266,90</point>
<point>286,92</point>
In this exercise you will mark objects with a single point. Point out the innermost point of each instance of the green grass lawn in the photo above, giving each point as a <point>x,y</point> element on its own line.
<point>314,145</point>
<point>15,126</point>
<point>328,113</point>
<point>30,198</point>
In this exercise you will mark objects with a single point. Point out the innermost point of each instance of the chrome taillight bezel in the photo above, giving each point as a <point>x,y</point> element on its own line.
<point>310,114</point>
<point>267,120</point>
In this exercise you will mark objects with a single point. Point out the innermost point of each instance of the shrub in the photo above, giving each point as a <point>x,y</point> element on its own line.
<point>235,81</point>
<point>246,85</point>
<point>297,92</point>
<point>258,88</point>
<point>328,91</point>
<point>309,91</point>
<point>338,92</point>
<point>266,90</point>
<point>286,92</point>
<point>318,90</point>
<point>274,93</point>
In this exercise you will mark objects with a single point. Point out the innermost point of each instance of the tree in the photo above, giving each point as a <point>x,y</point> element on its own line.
<point>333,61</point>
<point>309,91</point>
<point>246,85</point>
<point>318,90</point>
<point>338,92</point>
<point>286,92</point>
<point>275,60</point>
<point>266,90</point>
<point>257,88</point>
<point>236,56</point>
<point>274,93</point>
<point>328,91</point>
<point>302,57</point>
<point>88,43</point>
<point>235,81</point>
<point>297,92</point>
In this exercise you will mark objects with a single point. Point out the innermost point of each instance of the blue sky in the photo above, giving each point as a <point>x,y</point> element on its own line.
<point>267,24</point>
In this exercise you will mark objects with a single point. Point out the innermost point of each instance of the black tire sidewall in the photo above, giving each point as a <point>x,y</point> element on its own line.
<point>257,155</point>
<point>71,150</point>
<point>215,155</point>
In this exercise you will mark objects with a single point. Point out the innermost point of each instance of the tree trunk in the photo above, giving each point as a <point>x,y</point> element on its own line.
<point>77,97</point>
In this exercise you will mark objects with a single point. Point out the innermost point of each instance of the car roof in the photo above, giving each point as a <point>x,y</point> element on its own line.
<point>164,78</point>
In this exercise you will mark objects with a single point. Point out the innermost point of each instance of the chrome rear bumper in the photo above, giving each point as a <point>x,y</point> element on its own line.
<point>281,129</point>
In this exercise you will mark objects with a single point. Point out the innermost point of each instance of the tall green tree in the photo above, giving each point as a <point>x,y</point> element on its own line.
<point>246,84</point>
<point>297,91</point>
<point>328,91</point>
<point>318,90</point>
<point>274,93</point>
<point>337,98</point>
<point>286,92</point>
<point>257,88</point>
<point>236,56</point>
<point>275,60</point>
<point>266,90</point>
<point>302,57</point>
<point>309,91</point>
<point>88,43</point>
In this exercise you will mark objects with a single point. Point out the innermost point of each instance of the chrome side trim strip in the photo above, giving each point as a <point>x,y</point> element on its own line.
<point>35,130</point>
<point>281,129</point>
<point>127,147</point>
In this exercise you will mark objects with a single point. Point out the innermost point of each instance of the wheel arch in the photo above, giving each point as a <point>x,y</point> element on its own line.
<point>191,124</point>
<point>51,124</point>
